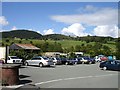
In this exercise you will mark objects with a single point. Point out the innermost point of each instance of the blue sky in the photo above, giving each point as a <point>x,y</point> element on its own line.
<point>69,18</point>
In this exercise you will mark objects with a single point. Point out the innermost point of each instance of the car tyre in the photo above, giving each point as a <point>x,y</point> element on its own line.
<point>54,65</point>
<point>26,64</point>
<point>66,63</point>
<point>40,65</point>
<point>90,62</point>
<point>104,68</point>
<point>75,63</point>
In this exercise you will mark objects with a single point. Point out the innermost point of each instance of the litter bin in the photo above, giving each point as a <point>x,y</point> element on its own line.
<point>10,74</point>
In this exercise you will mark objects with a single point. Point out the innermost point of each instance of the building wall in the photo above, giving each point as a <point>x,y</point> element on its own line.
<point>2,52</point>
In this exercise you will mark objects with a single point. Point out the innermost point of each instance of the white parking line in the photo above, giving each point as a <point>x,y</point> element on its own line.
<point>73,78</point>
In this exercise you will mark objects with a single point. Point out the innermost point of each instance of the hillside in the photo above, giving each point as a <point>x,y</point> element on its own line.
<point>26,34</point>
<point>57,37</point>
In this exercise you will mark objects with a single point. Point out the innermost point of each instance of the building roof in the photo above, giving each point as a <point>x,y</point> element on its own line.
<point>24,46</point>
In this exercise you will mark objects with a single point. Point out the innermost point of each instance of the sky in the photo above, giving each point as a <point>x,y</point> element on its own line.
<point>68,18</point>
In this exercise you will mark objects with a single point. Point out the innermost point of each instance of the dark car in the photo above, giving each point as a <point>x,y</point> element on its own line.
<point>110,65</point>
<point>88,60</point>
<point>71,61</point>
<point>79,60</point>
<point>57,61</point>
<point>92,60</point>
<point>67,61</point>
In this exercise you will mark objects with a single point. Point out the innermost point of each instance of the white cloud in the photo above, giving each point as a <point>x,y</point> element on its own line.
<point>75,29</point>
<point>14,28</point>
<point>103,16</point>
<point>106,30</point>
<point>38,32</point>
<point>3,21</point>
<point>49,31</point>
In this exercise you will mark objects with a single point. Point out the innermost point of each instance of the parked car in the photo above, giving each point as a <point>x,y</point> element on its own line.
<point>63,60</point>
<point>103,59</point>
<point>71,61</point>
<point>97,59</point>
<point>40,61</point>
<point>14,59</point>
<point>92,60</point>
<point>110,65</point>
<point>67,61</point>
<point>79,60</point>
<point>85,60</point>
<point>88,60</point>
<point>57,61</point>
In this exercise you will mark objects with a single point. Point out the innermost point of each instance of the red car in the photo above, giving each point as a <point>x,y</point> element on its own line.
<point>104,58</point>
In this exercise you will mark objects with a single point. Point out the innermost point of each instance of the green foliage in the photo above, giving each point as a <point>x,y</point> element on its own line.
<point>23,54</point>
<point>71,55</point>
<point>92,45</point>
<point>118,49</point>
<point>49,47</point>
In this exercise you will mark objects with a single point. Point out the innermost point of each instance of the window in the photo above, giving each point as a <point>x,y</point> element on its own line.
<point>36,58</point>
<point>113,62</point>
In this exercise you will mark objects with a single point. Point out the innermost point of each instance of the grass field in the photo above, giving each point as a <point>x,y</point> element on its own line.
<point>64,43</point>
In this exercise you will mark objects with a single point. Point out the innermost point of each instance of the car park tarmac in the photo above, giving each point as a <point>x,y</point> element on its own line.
<point>69,76</point>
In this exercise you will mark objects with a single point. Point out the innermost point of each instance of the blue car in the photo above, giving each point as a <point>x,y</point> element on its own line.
<point>67,61</point>
<point>88,60</point>
<point>110,65</point>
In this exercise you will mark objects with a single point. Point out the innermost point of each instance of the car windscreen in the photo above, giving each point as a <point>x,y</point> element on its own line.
<point>13,57</point>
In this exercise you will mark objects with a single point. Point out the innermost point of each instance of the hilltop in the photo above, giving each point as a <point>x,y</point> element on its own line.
<point>26,34</point>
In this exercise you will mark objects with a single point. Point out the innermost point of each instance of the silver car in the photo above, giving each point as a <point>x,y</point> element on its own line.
<point>40,61</point>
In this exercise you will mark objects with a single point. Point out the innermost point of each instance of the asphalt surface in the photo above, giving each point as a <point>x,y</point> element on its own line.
<point>68,76</point>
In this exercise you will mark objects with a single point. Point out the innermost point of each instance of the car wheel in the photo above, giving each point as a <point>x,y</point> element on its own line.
<point>104,68</point>
<point>40,65</point>
<point>54,65</point>
<point>90,62</point>
<point>26,64</point>
<point>66,63</point>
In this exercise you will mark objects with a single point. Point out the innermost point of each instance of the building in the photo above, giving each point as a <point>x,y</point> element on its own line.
<point>23,46</point>
<point>2,52</point>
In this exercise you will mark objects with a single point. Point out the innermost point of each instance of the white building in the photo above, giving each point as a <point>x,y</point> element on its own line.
<point>2,52</point>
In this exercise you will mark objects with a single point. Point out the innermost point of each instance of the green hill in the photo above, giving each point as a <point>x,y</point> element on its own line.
<point>26,34</point>
<point>57,37</point>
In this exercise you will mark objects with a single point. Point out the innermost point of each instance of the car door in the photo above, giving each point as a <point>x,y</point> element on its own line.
<point>108,64</point>
<point>37,61</point>
<point>32,61</point>
<point>116,65</point>
<point>113,65</point>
